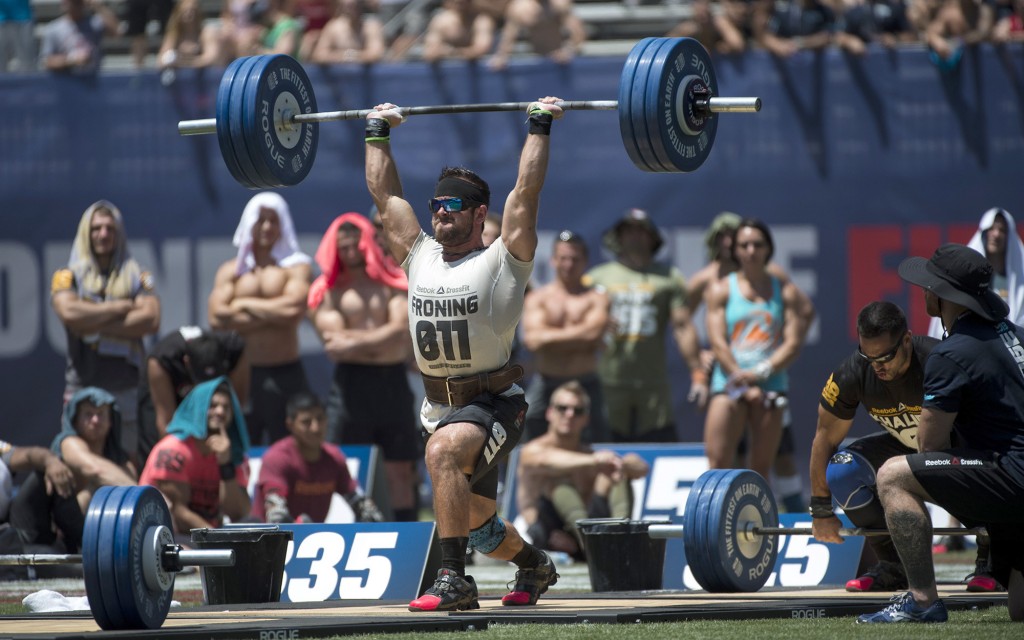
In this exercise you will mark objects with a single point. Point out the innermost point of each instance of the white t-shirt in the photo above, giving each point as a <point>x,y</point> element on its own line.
<point>463,314</point>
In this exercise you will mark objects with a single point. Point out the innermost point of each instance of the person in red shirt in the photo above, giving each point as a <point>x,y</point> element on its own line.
<point>200,466</point>
<point>300,473</point>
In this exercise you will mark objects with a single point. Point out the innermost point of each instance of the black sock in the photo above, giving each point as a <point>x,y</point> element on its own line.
<point>406,515</point>
<point>529,558</point>
<point>453,554</point>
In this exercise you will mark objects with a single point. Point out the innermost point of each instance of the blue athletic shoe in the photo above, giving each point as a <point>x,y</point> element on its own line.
<point>904,609</point>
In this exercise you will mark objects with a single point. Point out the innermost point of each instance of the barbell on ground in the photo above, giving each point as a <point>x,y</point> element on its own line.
<point>129,558</point>
<point>730,531</point>
<point>267,121</point>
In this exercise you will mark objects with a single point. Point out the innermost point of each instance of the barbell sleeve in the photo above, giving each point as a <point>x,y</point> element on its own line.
<point>714,105</point>
<point>676,531</point>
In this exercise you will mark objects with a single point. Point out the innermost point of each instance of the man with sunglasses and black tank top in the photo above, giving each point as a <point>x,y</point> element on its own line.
<point>465,301</point>
<point>885,375</point>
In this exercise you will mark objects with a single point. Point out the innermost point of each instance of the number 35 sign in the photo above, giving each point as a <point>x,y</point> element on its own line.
<point>365,561</point>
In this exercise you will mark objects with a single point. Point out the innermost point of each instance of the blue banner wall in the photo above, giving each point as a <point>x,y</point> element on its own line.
<point>854,162</point>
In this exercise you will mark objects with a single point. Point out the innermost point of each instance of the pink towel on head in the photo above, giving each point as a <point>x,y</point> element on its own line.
<point>379,267</point>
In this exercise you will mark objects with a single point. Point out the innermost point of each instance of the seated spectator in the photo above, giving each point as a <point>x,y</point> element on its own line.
<point>200,466</point>
<point>352,35</point>
<point>562,479</point>
<point>300,473</point>
<point>865,21</point>
<point>187,42</point>
<point>713,29</point>
<point>58,504</point>
<point>235,34</point>
<point>957,24</point>
<point>459,31</point>
<point>89,443</point>
<point>404,23</point>
<point>17,38</point>
<point>314,16</point>
<point>71,43</point>
<point>175,364</point>
<point>282,30</point>
<point>1009,18</point>
<point>137,16</point>
<point>792,25</point>
<point>550,27</point>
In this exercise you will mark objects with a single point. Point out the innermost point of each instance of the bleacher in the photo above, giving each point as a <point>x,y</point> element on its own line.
<point>612,26</point>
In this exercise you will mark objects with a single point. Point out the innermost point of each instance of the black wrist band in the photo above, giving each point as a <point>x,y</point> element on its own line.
<point>227,471</point>
<point>540,123</point>
<point>378,130</point>
<point>821,507</point>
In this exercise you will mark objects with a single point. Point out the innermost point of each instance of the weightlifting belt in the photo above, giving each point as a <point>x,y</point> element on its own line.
<point>460,391</point>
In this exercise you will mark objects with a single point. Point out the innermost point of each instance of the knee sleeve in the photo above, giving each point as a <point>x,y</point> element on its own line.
<point>851,479</point>
<point>487,536</point>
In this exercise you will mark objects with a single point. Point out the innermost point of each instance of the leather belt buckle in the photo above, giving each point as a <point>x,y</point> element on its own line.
<point>448,391</point>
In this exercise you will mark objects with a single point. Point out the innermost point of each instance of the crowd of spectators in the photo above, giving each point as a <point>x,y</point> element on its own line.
<point>191,33</point>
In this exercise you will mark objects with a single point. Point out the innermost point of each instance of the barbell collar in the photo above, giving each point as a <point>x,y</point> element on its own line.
<point>714,105</point>
<point>676,531</point>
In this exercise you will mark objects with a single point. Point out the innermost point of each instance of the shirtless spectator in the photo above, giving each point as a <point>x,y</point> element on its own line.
<point>261,294</point>
<point>562,479</point>
<point>715,30</point>
<point>187,42</point>
<point>458,32</point>
<point>550,27</point>
<point>352,35</point>
<point>179,361</point>
<point>563,326</point>
<point>359,307</point>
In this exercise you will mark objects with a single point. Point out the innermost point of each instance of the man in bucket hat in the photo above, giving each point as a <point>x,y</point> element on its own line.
<point>648,299</point>
<point>970,435</point>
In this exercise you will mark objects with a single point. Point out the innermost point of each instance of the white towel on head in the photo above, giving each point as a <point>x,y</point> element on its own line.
<point>285,251</point>
<point>1014,266</point>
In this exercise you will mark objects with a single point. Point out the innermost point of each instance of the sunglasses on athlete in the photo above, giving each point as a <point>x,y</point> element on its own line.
<point>451,205</point>
<point>885,357</point>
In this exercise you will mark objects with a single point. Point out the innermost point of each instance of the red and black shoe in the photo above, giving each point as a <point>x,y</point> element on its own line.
<point>451,592</point>
<point>531,583</point>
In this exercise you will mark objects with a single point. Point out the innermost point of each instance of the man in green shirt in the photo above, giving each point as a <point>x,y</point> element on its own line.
<point>648,299</point>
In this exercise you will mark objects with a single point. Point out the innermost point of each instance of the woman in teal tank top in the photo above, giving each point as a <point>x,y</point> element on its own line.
<point>756,333</point>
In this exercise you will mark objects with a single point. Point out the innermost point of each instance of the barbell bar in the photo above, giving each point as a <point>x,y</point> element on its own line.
<point>750,529</point>
<point>730,531</point>
<point>267,122</point>
<point>289,119</point>
<point>129,558</point>
<point>170,557</point>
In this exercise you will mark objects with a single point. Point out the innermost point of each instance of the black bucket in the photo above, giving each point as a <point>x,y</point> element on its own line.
<point>260,553</point>
<point>621,556</point>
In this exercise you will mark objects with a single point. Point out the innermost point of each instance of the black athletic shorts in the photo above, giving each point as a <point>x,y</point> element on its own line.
<point>501,418</point>
<point>372,404</point>
<point>972,486</point>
